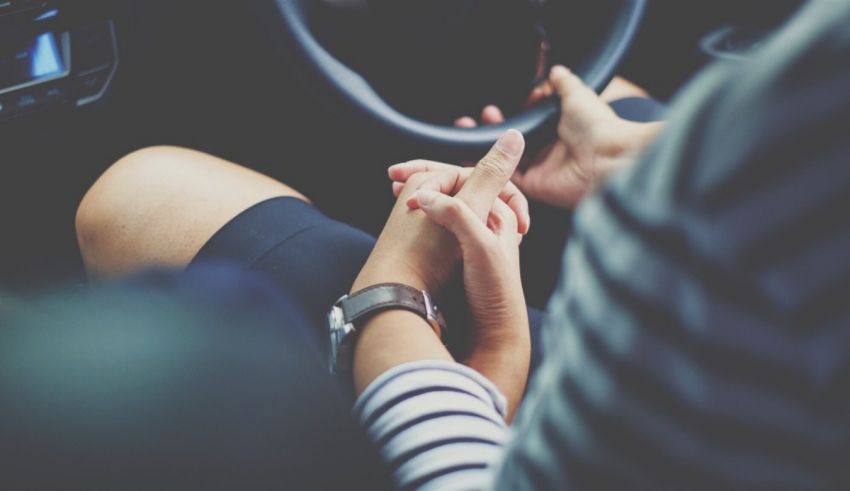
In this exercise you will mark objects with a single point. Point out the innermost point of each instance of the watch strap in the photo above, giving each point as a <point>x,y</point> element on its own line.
<point>385,296</point>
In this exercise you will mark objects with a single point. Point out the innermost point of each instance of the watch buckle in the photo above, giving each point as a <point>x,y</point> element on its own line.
<point>432,313</point>
<point>338,331</point>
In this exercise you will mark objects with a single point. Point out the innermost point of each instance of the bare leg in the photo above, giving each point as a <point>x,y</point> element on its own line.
<point>160,205</point>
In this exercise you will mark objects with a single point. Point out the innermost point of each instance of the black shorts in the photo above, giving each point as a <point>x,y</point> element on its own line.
<point>312,258</point>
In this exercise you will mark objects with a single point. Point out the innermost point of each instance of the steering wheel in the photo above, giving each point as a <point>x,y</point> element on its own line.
<point>353,95</point>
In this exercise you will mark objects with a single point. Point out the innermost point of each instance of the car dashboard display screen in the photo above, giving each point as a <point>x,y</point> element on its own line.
<point>29,60</point>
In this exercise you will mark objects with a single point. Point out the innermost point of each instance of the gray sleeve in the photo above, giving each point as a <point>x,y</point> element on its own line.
<point>695,339</point>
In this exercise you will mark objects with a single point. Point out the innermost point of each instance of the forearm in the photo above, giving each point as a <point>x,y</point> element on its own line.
<point>391,339</point>
<point>505,362</point>
<point>508,372</point>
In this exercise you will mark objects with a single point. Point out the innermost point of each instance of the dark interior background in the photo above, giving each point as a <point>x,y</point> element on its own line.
<point>203,74</point>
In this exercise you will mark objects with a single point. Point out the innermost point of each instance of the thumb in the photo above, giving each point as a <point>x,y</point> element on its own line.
<point>492,173</point>
<point>565,82</point>
<point>457,217</point>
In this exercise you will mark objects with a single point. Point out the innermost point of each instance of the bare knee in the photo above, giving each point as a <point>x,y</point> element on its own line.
<point>158,206</point>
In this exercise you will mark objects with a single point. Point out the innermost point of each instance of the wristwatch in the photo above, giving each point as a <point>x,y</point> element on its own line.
<point>351,310</point>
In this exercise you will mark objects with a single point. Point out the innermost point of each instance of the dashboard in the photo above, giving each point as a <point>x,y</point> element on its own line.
<point>52,56</point>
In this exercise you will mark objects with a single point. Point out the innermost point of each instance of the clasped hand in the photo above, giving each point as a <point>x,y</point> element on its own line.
<point>448,216</point>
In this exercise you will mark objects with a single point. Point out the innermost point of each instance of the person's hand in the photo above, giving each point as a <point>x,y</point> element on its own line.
<point>592,143</point>
<point>449,179</point>
<point>415,251</point>
<point>500,339</point>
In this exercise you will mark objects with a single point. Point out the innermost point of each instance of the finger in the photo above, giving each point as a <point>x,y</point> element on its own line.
<point>492,115</point>
<point>539,93</point>
<point>502,219</point>
<point>398,187</point>
<point>448,181</point>
<point>535,97</point>
<point>518,179</point>
<point>458,218</point>
<point>518,204</point>
<point>564,81</point>
<point>503,223</point>
<point>547,88</point>
<point>452,180</point>
<point>492,173</point>
<point>465,122</point>
<point>402,172</point>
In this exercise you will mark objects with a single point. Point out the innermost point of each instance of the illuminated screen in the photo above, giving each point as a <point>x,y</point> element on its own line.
<point>30,59</point>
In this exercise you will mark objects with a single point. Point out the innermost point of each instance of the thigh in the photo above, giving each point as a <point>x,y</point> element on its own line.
<point>156,207</point>
<point>313,258</point>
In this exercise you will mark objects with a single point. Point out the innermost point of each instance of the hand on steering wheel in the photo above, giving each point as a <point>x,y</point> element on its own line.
<point>592,142</point>
<point>348,92</point>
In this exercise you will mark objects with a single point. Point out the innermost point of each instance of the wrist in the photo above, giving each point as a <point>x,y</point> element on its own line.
<point>392,338</point>
<point>379,271</point>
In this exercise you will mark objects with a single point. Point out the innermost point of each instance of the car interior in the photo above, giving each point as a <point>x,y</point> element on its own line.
<point>84,82</point>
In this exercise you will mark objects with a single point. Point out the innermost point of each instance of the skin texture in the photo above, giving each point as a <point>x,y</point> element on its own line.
<point>160,205</point>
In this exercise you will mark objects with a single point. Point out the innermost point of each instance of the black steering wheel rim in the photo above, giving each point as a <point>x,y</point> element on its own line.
<point>349,92</point>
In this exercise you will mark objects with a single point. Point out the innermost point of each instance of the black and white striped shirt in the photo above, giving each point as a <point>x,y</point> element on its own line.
<point>436,419</point>
<point>701,336</point>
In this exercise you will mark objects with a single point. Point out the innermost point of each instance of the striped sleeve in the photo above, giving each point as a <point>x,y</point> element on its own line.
<point>700,338</point>
<point>438,425</point>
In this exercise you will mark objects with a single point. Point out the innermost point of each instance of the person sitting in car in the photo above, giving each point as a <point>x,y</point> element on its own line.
<point>698,339</point>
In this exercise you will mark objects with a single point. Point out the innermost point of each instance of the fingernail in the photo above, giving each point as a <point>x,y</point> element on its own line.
<point>511,143</point>
<point>425,198</point>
